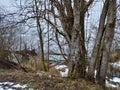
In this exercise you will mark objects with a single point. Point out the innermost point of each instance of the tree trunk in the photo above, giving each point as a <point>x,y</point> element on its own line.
<point>77,47</point>
<point>95,53</point>
<point>40,34</point>
<point>107,41</point>
<point>101,50</point>
<point>71,14</point>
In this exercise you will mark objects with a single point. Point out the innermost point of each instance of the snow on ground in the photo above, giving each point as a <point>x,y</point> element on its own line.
<point>110,85</point>
<point>18,85</point>
<point>12,86</point>
<point>95,73</point>
<point>6,83</point>
<point>115,79</point>
<point>61,66</point>
<point>65,73</point>
<point>62,73</point>
<point>6,88</point>
<point>116,64</point>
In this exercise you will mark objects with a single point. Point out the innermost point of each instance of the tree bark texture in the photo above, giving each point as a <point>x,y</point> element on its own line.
<point>77,46</point>
<point>71,15</point>
<point>107,42</point>
<point>95,52</point>
<point>40,35</point>
<point>101,50</point>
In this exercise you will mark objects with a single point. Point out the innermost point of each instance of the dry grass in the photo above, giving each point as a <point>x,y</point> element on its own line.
<point>113,68</point>
<point>117,69</point>
<point>45,82</point>
<point>80,84</point>
<point>40,80</point>
<point>14,75</point>
<point>34,63</point>
<point>54,71</point>
<point>115,55</point>
<point>110,88</point>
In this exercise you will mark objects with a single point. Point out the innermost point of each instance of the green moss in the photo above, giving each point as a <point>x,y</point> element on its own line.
<point>72,75</point>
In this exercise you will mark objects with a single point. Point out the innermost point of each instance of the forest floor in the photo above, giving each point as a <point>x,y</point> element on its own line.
<point>44,81</point>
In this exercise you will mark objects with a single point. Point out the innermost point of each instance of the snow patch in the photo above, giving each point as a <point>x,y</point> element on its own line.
<point>95,73</point>
<point>110,85</point>
<point>8,83</point>
<point>115,79</point>
<point>11,85</point>
<point>20,86</point>
<point>116,64</point>
<point>61,66</point>
<point>63,73</point>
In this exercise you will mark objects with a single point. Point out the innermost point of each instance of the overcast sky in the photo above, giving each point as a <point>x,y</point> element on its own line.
<point>5,2</point>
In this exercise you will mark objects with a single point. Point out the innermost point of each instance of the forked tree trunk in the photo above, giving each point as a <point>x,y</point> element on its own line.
<point>77,57</point>
<point>95,52</point>
<point>107,42</point>
<point>71,15</point>
<point>77,46</point>
<point>103,43</point>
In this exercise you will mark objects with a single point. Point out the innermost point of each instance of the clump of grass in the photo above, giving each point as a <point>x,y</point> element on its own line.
<point>60,86</point>
<point>86,85</point>
<point>68,84</point>
<point>34,63</point>
<point>115,56</point>
<point>110,88</point>
<point>54,71</point>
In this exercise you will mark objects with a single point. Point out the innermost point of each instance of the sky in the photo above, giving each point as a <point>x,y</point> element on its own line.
<point>5,2</point>
<point>7,5</point>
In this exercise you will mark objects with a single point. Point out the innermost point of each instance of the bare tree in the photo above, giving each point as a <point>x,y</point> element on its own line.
<point>100,54</point>
<point>39,29</point>
<point>67,18</point>
<point>71,14</point>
